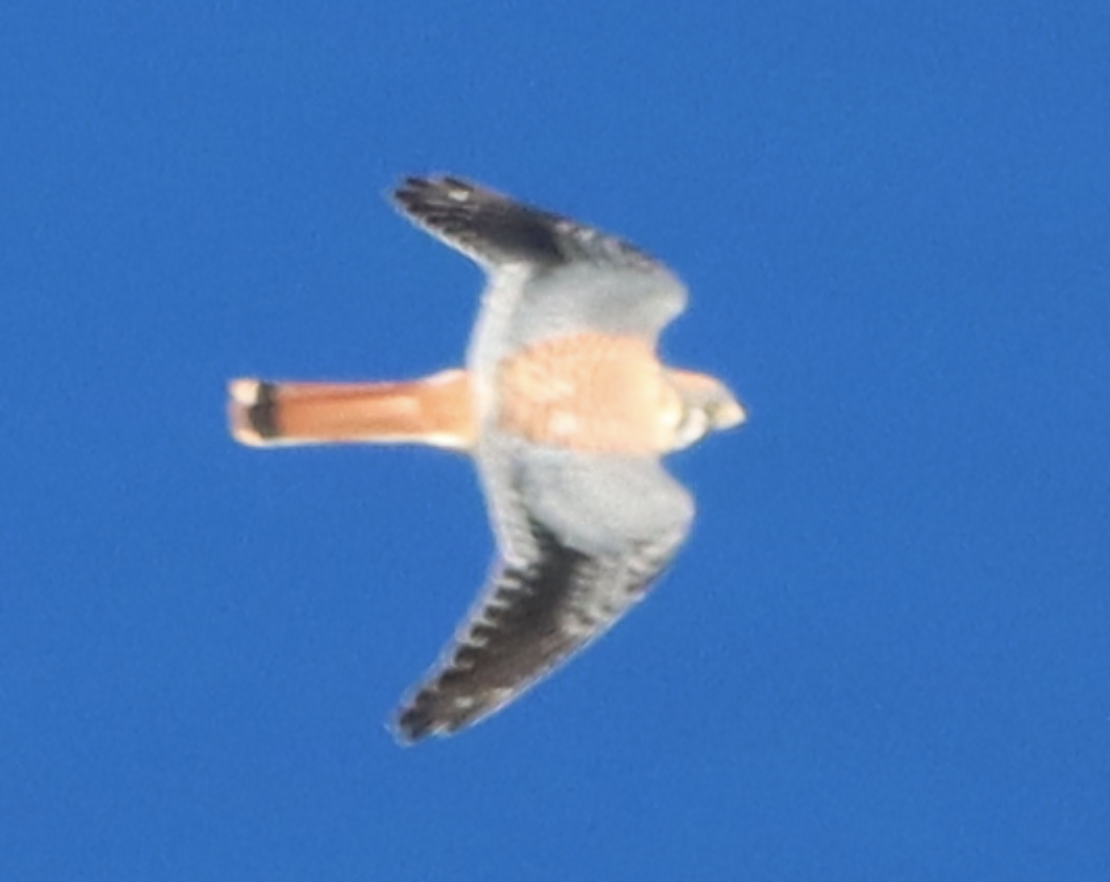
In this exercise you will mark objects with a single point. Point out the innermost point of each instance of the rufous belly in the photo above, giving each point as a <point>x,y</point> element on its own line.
<point>590,392</point>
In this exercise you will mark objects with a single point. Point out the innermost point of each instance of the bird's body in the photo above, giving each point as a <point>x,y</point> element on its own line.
<point>566,410</point>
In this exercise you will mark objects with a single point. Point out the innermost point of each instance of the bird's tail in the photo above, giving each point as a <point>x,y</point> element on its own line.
<point>435,410</point>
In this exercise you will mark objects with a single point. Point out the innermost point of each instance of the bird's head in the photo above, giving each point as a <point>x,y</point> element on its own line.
<point>707,406</point>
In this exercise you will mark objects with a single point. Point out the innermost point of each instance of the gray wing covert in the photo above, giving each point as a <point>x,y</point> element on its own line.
<point>548,275</point>
<point>582,538</point>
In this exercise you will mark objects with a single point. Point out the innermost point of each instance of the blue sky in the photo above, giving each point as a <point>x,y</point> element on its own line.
<point>883,654</point>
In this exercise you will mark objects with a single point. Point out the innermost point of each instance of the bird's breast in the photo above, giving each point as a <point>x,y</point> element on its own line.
<point>590,392</point>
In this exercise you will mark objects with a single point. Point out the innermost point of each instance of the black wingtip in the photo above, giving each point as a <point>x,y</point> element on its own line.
<point>412,724</point>
<point>421,717</point>
<point>416,191</point>
<point>431,711</point>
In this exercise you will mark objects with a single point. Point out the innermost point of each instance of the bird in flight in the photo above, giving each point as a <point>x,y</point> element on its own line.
<point>566,411</point>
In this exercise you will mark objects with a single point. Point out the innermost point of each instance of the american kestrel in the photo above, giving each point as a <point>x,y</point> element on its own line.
<point>566,410</point>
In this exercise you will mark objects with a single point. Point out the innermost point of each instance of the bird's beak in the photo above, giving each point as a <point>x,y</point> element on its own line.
<point>728,413</point>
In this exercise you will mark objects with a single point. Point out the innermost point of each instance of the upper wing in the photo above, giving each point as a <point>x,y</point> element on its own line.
<point>548,275</point>
<point>582,537</point>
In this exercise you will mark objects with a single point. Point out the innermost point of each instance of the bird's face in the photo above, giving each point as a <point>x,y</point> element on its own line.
<point>707,406</point>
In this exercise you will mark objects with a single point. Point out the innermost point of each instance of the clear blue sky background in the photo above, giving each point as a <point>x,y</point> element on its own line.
<point>884,654</point>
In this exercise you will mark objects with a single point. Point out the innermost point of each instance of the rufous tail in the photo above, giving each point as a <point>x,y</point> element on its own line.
<point>435,410</point>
